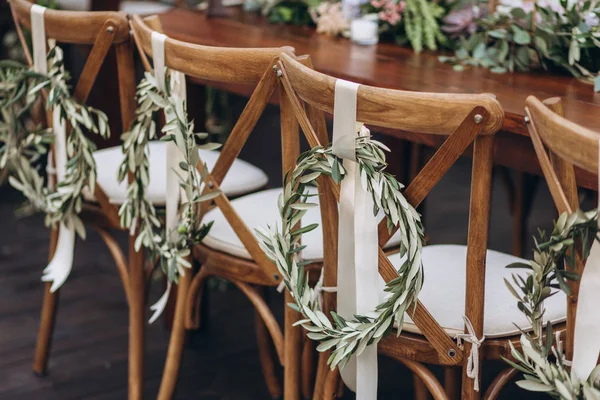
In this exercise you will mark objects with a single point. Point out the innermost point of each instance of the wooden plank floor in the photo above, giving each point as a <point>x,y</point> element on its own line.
<point>89,355</point>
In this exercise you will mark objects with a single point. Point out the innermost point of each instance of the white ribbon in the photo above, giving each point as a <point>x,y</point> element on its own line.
<point>38,38</point>
<point>586,341</point>
<point>358,276</point>
<point>61,263</point>
<point>473,361</point>
<point>174,156</point>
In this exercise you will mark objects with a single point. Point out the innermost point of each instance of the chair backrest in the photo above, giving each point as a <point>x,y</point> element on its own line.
<point>102,30</point>
<point>465,119</point>
<point>568,145</point>
<point>232,65</point>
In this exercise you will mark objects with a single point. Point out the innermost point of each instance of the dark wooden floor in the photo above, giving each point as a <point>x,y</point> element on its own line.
<point>89,356</point>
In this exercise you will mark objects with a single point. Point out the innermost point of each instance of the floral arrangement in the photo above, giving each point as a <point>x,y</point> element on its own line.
<point>283,246</point>
<point>330,18</point>
<point>541,359</point>
<point>23,143</point>
<point>416,22</point>
<point>550,34</point>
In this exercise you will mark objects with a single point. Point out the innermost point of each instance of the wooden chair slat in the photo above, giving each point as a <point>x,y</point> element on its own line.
<point>79,27</point>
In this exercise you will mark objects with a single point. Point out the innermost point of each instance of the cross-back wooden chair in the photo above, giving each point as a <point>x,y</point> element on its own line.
<point>102,31</point>
<point>560,146</point>
<point>240,66</point>
<point>459,280</point>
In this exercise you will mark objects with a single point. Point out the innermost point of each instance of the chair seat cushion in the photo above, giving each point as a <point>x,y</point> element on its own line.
<point>143,7</point>
<point>241,178</point>
<point>443,292</point>
<point>129,7</point>
<point>259,210</point>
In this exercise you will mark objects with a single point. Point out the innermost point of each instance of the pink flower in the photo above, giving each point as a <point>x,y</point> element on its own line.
<point>390,11</point>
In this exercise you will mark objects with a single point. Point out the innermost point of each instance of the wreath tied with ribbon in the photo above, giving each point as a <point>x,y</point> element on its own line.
<point>541,358</point>
<point>23,142</point>
<point>282,246</point>
<point>137,212</point>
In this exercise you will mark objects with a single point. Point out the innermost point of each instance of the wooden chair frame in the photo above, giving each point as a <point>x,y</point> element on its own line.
<point>102,30</point>
<point>245,66</point>
<point>465,120</point>
<point>568,145</point>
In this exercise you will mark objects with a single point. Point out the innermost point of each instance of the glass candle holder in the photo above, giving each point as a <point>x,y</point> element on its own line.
<point>364,31</point>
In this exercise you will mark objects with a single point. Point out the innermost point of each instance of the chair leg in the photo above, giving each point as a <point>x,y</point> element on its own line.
<point>47,320</point>
<point>320,379</point>
<point>452,382</point>
<point>467,390</point>
<point>177,341</point>
<point>198,307</point>
<point>137,297</point>
<point>308,367</point>
<point>267,357</point>
<point>421,391</point>
<point>332,382</point>
<point>293,349</point>
<point>44,339</point>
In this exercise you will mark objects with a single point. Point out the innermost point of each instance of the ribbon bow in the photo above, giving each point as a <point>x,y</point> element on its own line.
<point>473,361</point>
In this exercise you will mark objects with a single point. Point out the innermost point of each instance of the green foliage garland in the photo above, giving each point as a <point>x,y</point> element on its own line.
<point>137,212</point>
<point>282,246</point>
<point>24,142</point>
<point>567,40</point>
<point>421,24</point>
<point>540,359</point>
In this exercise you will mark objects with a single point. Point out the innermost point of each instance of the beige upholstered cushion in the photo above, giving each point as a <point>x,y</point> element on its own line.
<point>130,7</point>
<point>242,177</point>
<point>443,292</point>
<point>143,7</point>
<point>259,210</point>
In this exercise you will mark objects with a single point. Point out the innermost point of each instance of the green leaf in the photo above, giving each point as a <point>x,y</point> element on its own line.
<point>533,386</point>
<point>520,36</point>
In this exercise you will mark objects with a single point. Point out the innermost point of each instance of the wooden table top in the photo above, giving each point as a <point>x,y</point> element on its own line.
<point>388,65</point>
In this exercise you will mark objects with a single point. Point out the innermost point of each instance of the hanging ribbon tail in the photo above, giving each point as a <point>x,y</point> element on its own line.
<point>586,340</point>
<point>60,266</point>
<point>473,361</point>
<point>358,276</point>
<point>158,307</point>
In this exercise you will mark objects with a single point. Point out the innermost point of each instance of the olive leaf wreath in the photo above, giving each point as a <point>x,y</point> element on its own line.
<point>540,360</point>
<point>23,143</point>
<point>348,336</point>
<point>137,212</point>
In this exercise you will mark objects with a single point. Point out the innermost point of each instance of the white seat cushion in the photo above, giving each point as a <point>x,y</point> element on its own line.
<point>259,210</point>
<point>143,7</point>
<point>443,292</point>
<point>241,178</point>
<point>130,7</point>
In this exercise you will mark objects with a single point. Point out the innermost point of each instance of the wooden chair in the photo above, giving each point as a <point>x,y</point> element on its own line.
<point>242,66</point>
<point>459,280</point>
<point>102,30</point>
<point>560,146</point>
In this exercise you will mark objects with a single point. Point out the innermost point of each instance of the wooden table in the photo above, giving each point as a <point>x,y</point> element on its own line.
<point>392,66</point>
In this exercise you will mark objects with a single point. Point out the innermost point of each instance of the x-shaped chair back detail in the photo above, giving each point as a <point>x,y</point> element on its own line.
<point>102,30</point>
<point>232,65</point>
<point>465,119</point>
<point>560,145</point>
